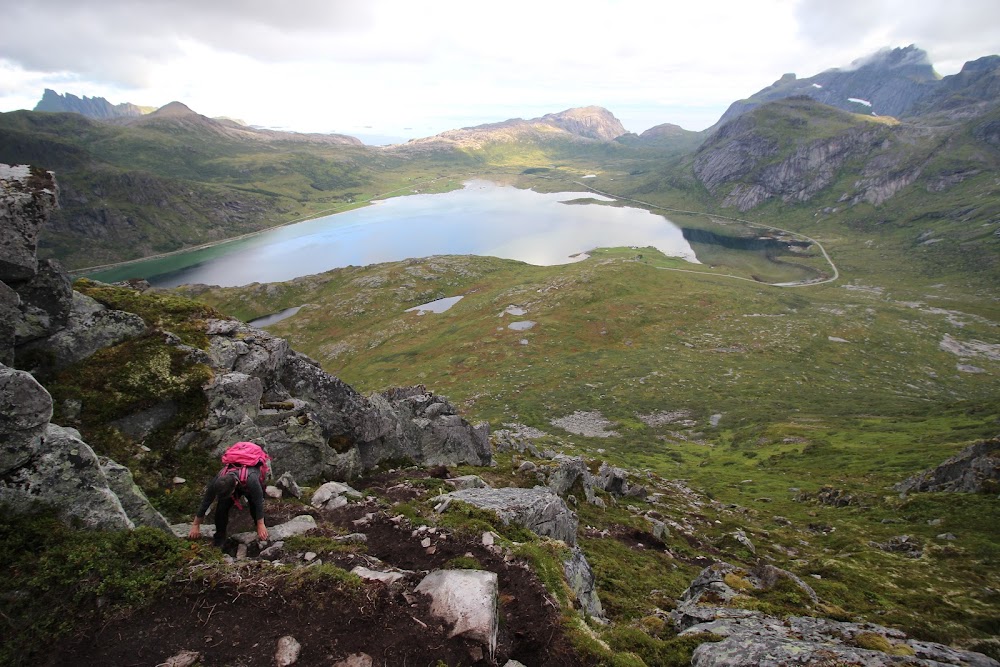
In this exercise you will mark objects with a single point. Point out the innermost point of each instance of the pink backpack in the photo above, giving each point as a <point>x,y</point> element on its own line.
<point>241,457</point>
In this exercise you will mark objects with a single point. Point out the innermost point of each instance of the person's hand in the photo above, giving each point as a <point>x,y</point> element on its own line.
<point>261,531</point>
<point>195,532</point>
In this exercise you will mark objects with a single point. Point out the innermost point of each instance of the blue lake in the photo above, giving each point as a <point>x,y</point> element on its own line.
<point>481,219</point>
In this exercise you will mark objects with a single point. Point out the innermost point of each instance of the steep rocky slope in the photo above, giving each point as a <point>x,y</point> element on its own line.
<point>887,83</point>
<point>795,149</point>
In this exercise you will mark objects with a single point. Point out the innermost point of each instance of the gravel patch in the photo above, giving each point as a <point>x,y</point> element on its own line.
<point>589,424</point>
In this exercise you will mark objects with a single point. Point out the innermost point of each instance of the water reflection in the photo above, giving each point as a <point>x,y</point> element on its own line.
<point>482,219</point>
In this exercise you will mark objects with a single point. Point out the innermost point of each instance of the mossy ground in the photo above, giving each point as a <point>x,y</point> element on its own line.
<point>844,384</point>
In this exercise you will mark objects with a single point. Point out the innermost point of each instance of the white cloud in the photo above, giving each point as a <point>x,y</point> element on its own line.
<point>341,65</point>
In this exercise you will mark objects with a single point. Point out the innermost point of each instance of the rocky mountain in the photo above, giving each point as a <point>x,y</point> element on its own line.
<point>174,178</point>
<point>92,107</point>
<point>891,82</point>
<point>580,124</point>
<point>178,117</point>
<point>797,149</point>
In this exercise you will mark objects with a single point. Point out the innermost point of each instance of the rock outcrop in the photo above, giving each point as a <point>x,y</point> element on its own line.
<point>41,462</point>
<point>315,426</point>
<point>754,639</point>
<point>745,164</point>
<point>976,469</point>
<point>539,510</point>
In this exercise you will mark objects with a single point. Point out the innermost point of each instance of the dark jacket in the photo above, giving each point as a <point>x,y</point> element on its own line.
<point>251,492</point>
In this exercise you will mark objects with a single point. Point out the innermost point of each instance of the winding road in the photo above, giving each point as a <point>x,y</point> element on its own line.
<point>800,283</point>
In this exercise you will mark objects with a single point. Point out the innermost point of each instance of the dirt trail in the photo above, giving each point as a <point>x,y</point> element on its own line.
<point>236,618</point>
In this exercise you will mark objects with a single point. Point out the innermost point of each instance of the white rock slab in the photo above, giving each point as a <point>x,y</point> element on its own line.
<point>467,599</point>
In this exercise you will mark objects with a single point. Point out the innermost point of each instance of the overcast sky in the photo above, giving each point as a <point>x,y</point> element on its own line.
<point>414,68</point>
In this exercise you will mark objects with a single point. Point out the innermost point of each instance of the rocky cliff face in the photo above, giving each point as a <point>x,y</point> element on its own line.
<point>590,122</point>
<point>314,425</point>
<point>891,82</point>
<point>754,158</point>
<point>92,107</point>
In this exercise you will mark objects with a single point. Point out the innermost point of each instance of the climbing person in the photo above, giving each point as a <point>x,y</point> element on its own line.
<point>243,474</point>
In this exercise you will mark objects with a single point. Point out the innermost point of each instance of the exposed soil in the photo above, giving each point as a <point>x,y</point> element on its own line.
<point>236,617</point>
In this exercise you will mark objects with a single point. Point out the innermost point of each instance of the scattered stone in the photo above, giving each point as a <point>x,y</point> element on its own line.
<point>488,539</point>
<point>272,492</point>
<point>179,480</point>
<point>332,495</point>
<point>273,552</point>
<point>901,544</point>
<point>241,552</point>
<point>467,482</point>
<point>298,526</point>
<point>527,466</point>
<point>356,660</point>
<point>947,536</point>
<point>287,485</point>
<point>426,542</point>
<point>287,652</point>
<point>182,659</point>
<point>976,469</point>
<point>388,578</point>
<point>588,424</point>
<point>466,599</point>
<point>309,556</point>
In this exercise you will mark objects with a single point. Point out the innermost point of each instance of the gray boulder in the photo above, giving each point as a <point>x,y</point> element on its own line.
<point>133,500</point>
<point>712,585</point>
<point>27,195</point>
<point>10,314</point>
<point>753,639</point>
<point>467,482</point>
<point>539,509</point>
<point>580,578</point>
<point>25,411</point>
<point>569,471</point>
<point>90,327</point>
<point>976,469</point>
<point>467,600</point>
<point>64,472</point>
<point>46,302</point>
<point>287,485</point>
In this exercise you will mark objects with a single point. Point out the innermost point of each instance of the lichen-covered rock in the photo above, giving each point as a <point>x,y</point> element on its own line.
<point>10,314</point>
<point>46,302</point>
<point>27,195</point>
<point>133,500</point>
<point>90,327</point>
<point>754,639</point>
<point>580,578</point>
<point>25,411</point>
<point>64,472</point>
<point>539,509</point>
<point>976,469</point>
<point>569,471</point>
